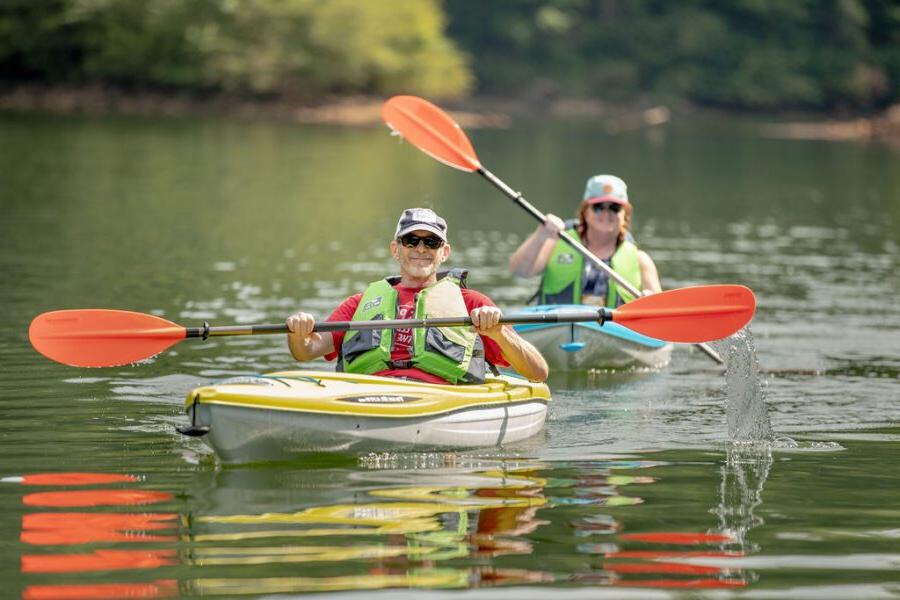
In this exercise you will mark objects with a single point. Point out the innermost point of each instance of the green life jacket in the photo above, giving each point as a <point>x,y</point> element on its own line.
<point>562,280</point>
<point>452,353</point>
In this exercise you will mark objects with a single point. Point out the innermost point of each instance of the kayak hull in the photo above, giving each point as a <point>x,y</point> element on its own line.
<point>282,415</point>
<point>585,346</point>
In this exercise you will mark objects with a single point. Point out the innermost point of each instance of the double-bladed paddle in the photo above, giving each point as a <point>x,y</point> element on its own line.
<point>435,133</point>
<point>108,338</point>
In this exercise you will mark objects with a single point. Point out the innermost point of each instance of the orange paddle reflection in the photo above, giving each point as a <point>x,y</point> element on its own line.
<point>666,562</point>
<point>164,588</point>
<point>99,560</point>
<point>651,554</point>
<point>75,478</point>
<point>671,537</point>
<point>661,567</point>
<point>42,529</point>
<point>683,583</point>
<point>73,528</point>
<point>95,498</point>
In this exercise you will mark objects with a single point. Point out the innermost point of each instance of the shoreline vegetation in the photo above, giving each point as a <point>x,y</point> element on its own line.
<point>360,110</point>
<point>623,65</point>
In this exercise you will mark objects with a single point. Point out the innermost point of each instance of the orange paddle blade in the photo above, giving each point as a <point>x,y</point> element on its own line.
<point>691,314</point>
<point>101,338</point>
<point>431,130</point>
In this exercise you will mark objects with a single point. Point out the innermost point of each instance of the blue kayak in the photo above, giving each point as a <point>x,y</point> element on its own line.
<point>584,346</point>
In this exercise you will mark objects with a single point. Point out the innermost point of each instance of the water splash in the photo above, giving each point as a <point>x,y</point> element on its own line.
<point>746,411</point>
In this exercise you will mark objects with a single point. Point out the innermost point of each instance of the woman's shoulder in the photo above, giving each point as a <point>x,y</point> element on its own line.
<point>644,258</point>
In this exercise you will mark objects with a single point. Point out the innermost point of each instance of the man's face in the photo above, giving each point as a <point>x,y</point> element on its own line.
<point>420,261</point>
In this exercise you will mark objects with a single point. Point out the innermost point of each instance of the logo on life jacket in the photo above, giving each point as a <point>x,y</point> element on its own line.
<point>374,303</point>
<point>565,259</point>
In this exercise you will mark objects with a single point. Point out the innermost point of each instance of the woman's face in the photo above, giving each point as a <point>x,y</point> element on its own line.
<point>605,218</point>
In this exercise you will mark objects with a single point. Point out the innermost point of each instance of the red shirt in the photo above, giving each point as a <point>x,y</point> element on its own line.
<point>406,308</point>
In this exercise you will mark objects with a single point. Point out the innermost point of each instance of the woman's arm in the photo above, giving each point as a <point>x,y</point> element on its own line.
<point>531,257</point>
<point>649,275</point>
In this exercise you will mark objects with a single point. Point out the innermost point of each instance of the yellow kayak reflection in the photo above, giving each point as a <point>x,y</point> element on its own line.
<point>430,522</point>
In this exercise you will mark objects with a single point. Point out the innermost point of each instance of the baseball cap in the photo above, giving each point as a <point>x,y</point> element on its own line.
<point>605,188</point>
<point>412,219</point>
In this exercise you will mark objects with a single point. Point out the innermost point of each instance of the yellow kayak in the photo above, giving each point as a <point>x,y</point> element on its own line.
<point>279,415</point>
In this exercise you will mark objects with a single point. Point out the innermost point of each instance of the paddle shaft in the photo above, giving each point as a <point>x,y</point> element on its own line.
<point>577,245</point>
<point>600,315</point>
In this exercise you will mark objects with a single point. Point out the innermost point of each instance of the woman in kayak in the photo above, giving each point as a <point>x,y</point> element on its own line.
<point>602,226</point>
<point>435,354</point>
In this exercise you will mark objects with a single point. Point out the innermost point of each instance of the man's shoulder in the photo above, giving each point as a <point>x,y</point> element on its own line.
<point>351,301</point>
<point>474,298</point>
<point>346,309</point>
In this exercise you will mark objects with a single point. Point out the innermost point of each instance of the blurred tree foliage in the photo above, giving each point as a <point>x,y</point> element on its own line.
<point>757,54</point>
<point>308,47</point>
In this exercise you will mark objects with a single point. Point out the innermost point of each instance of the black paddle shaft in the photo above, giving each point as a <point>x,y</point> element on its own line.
<point>599,315</point>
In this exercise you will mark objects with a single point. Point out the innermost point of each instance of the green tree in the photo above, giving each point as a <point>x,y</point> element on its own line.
<point>758,54</point>
<point>311,47</point>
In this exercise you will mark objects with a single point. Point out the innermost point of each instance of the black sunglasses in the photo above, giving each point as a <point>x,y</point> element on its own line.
<point>598,208</point>
<point>411,240</point>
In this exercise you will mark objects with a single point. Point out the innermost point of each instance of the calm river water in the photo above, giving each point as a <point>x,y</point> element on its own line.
<point>643,484</point>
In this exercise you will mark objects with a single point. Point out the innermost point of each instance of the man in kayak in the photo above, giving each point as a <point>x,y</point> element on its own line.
<point>434,354</point>
<point>604,218</point>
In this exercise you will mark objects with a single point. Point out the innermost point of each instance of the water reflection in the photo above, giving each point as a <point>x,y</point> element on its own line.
<point>400,531</point>
<point>98,560</point>
<point>405,526</point>
<point>445,523</point>
<point>89,528</point>
<point>463,514</point>
<point>682,559</point>
<point>57,529</point>
<point>154,589</point>
<point>744,473</point>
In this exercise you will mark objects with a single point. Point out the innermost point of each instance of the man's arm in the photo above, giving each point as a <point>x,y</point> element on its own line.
<point>522,356</point>
<point>307,345</point>
<point>304,343</point>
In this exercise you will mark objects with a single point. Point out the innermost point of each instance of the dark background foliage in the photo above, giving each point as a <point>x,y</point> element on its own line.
<point>831,55</point>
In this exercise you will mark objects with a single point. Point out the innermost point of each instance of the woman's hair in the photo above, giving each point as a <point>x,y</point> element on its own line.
<point>581,223</point>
